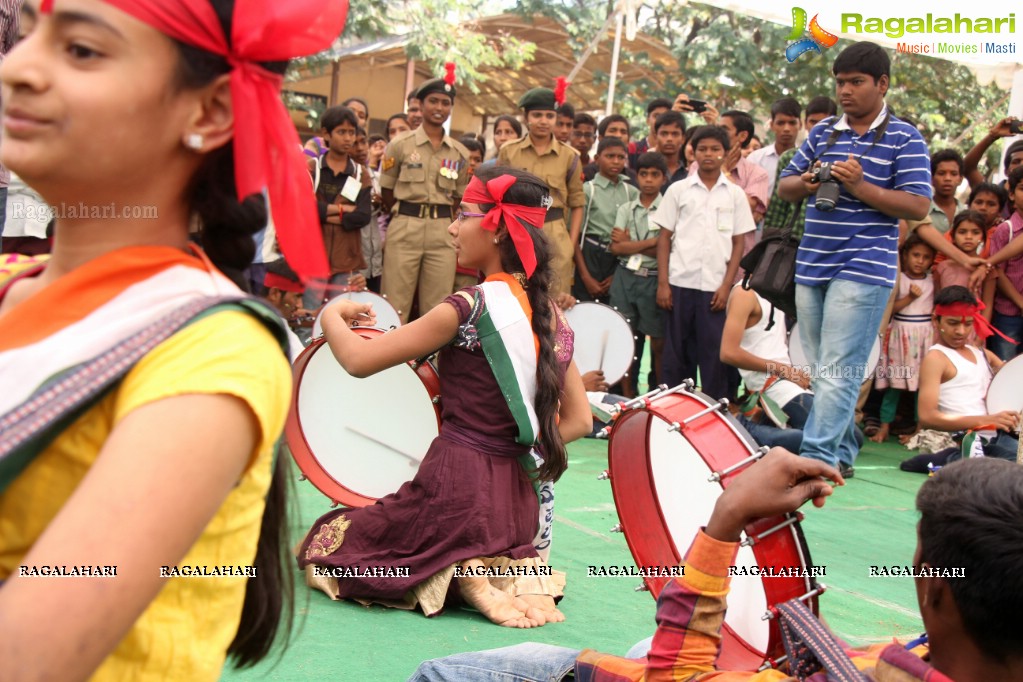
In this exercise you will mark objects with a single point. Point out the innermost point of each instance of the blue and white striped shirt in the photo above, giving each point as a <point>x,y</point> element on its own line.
<point>855,241</point>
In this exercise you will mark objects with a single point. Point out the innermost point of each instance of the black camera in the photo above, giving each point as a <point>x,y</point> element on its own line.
<point>827,193</point>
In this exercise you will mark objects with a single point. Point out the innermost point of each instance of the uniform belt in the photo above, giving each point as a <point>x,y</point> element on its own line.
<point>597,242</point>
<point>645,272</point>
<point>554,214</point>
<point>424,210</point>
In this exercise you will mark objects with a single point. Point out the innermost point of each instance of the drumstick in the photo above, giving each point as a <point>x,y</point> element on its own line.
<point>376,440</point>
<point>1019,437</point>
<point>603,349</point>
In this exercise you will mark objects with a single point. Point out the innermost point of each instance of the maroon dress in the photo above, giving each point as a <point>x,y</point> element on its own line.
<point>470,498</point>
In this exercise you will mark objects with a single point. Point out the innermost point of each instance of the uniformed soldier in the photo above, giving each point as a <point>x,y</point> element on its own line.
<point>423,175</point>
<point>556,164</point>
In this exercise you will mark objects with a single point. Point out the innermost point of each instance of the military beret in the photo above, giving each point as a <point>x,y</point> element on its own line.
<point>435,85</point>
<point>538,98</point>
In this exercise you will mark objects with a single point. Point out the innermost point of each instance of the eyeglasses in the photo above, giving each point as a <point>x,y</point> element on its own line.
<point>462,215</point>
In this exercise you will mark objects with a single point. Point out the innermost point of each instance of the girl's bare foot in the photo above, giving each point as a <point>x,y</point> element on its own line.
<point>905,438</point>
<point>881,435</point>
<point>544,604</point>
<point>498,606</point>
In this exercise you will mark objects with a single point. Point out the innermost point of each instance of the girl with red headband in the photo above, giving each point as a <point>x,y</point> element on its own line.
<point>508,387</point>
<point>143,392</point>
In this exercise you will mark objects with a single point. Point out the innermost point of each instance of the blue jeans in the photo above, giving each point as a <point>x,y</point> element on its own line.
<point>798,411</point>
<point>529,662</point>
<point>1011,326</point>
<point>838,323</point>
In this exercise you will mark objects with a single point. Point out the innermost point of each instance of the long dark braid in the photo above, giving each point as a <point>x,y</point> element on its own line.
<point>529,190</point>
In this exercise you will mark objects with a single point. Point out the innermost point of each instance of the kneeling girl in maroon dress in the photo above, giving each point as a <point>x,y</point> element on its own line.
<point>509,391</point>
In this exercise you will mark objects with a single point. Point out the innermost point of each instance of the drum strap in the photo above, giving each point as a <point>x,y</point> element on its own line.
<point>30,427</point>
<point>811,647</point>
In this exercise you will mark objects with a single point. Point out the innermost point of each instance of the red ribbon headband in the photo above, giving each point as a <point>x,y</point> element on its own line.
<point>981,326</point>
<point>515,216</point>
<point>274,281</point>
<point>267,150</point>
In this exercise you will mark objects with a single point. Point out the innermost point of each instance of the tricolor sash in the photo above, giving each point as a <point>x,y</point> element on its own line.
<point>506,335</point>
<point>64,348</point>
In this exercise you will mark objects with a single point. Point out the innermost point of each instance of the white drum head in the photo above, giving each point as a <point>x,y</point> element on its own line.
<point>798,355</point>
<point>1004,393</point>
<point>368,434</point>
<point>687,500</point>
<point>387,316</point>
<point>603,340</point>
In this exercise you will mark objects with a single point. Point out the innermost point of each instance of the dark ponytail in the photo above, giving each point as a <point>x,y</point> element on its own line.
<point>227,228</point>
<point>529,190</point>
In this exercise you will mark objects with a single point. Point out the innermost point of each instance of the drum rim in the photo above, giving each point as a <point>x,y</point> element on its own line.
<point>319,314</point>
<point>738,652</point>
<point>301,451</point>
<point>1000,377</point>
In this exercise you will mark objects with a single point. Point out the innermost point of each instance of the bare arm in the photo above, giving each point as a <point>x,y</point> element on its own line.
<point>574,417</point>
<point>934,369</point>
<point>145,501</point>
<point>361,357</point>
<point>930,235</point>
<point>663,256</point>
<point>972,159</point>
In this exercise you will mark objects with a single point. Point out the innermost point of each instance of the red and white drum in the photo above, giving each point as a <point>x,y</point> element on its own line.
<point>603,340</point>
<point>387,315</point>
<point>670,456</point>
<point>357,440</point>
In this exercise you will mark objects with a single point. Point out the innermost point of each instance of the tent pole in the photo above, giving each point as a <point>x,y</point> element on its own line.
<point>614,63</point>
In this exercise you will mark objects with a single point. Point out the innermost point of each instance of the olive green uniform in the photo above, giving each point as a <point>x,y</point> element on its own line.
<point>418,250</point>
<point>559,167</point>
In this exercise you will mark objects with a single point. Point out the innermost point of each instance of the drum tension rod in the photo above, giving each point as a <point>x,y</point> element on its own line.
<point>718,475</point>
<point>617,528</point>
<point>719,405</point>
<point>604,475</point>
<point>772,612</point>
<point>770,665</point>
<point>754,539</point>
<point>641,588</point>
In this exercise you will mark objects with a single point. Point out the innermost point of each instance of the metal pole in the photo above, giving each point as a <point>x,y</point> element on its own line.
<point>614,62</point>
<point>593,46</point>
<point>335,71</point>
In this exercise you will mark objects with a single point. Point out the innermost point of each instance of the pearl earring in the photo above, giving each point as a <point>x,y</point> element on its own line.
<point>194,141</point>
<point>495,241</point>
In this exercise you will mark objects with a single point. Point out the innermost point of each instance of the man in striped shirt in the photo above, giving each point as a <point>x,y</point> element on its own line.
<point>847,260</point>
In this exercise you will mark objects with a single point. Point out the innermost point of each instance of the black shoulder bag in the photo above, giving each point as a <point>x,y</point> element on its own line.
<point>771,268</point>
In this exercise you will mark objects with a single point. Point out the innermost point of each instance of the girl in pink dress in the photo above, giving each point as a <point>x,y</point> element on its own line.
<point>910,333</point>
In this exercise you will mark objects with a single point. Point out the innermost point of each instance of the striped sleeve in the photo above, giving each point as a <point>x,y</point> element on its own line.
<point>912,164</point>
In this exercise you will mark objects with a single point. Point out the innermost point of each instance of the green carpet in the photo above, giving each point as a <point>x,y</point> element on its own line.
<point>869,521</point>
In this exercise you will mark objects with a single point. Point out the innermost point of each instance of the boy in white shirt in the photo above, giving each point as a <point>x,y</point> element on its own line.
<point>703,219</point>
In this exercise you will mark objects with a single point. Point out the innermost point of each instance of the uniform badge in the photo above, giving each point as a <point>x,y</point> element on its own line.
<point>414,158</point>
<point>388,163</point>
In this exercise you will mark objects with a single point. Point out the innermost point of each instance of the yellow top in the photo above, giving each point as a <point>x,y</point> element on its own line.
<point>185,631</point>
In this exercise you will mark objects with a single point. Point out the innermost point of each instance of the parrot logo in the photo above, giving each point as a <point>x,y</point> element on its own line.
<point>818,39</point>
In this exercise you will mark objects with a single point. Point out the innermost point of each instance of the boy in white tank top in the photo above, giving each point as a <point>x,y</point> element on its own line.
<point>954,376</point>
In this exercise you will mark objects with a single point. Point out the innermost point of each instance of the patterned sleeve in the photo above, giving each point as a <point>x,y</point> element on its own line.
<point>462,301</point>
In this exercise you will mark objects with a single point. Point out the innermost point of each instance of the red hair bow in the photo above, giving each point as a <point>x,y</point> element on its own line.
<point>516,217</point>
<point>267,151</point>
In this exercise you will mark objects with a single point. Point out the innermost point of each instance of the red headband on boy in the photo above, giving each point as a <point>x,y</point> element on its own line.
<point>274,281</point>
<point>267,151</point>
<point>981,326</point>
<point>515,216</point>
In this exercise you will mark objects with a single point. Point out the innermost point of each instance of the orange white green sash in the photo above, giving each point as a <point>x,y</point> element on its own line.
<point>506,334</point>
<point>85,330</point>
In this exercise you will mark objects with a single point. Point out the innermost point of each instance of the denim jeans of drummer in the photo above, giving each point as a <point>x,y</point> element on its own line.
<point>838,323</point>
<point>529,662</point>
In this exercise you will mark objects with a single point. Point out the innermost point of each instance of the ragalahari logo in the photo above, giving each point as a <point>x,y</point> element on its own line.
<point>818,38</point>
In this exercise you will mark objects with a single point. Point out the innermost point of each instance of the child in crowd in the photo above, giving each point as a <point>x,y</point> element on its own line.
<point>396,125</point>
<point>954,377</point>
<point>634,287</point>
<point>989,200</point>
<point>584,131</point>
<point>477,150</point>
<point>910,333</point>
<point>608,191</point>
<point>343,194</point>
<point>377,145</point>
<point>1008,302</point>
<point>967,234</point>
<point>702,219</point>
